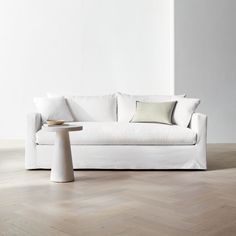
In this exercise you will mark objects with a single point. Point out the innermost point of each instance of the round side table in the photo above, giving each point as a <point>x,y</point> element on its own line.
<point>62,166</point>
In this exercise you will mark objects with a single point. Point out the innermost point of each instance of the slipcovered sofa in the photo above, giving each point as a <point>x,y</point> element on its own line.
<point>109,141</point>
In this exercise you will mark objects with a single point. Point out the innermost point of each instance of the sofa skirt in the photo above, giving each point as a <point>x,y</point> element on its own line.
<point>125,157</point>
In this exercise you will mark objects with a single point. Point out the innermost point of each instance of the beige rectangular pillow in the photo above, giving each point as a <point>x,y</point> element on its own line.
<point>150,112</point>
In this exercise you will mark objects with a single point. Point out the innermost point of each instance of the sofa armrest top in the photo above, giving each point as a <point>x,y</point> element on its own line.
<point>198,124</point>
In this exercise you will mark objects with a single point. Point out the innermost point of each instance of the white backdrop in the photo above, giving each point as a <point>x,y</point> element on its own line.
<point>81,46</point>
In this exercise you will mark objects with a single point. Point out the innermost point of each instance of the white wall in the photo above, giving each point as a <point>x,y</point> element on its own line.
<point>81,46</point>
<point>205,61</point>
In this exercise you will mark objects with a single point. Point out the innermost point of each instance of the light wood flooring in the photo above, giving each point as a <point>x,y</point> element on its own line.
<point>114,203</point>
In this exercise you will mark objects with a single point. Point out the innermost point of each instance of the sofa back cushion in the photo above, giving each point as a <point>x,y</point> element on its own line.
<point>91,108</point>
<point>182,113</point>
<point>127,103</point>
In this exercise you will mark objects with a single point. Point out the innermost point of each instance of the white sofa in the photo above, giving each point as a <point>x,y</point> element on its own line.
<point>110,141</point>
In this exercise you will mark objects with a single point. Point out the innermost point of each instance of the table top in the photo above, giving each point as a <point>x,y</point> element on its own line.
<point>56,128</point>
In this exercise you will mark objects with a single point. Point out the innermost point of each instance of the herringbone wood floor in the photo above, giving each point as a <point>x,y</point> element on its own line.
<point>139,203</point>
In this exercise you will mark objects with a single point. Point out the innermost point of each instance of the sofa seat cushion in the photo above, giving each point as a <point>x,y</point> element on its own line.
<point>117,133</point>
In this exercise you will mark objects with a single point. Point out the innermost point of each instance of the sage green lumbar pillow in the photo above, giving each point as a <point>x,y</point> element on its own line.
<point>150,112</point>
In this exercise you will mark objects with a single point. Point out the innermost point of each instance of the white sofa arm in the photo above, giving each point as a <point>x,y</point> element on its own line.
<point>34,123</point>
<point>198,124</point>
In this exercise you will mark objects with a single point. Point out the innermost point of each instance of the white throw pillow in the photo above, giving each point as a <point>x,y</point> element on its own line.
<point>91,108</point>
<point>183,111</point>
<point>127,103</point>
<point>53,108</point>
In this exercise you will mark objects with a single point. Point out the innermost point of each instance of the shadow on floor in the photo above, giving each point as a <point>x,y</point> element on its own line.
<point>221,156</point>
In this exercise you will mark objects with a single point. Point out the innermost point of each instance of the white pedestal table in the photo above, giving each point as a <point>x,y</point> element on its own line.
<point>62,166</point>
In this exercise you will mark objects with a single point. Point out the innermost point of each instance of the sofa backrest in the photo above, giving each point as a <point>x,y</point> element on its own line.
<point>121,107</point>
<point>91,108</point>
